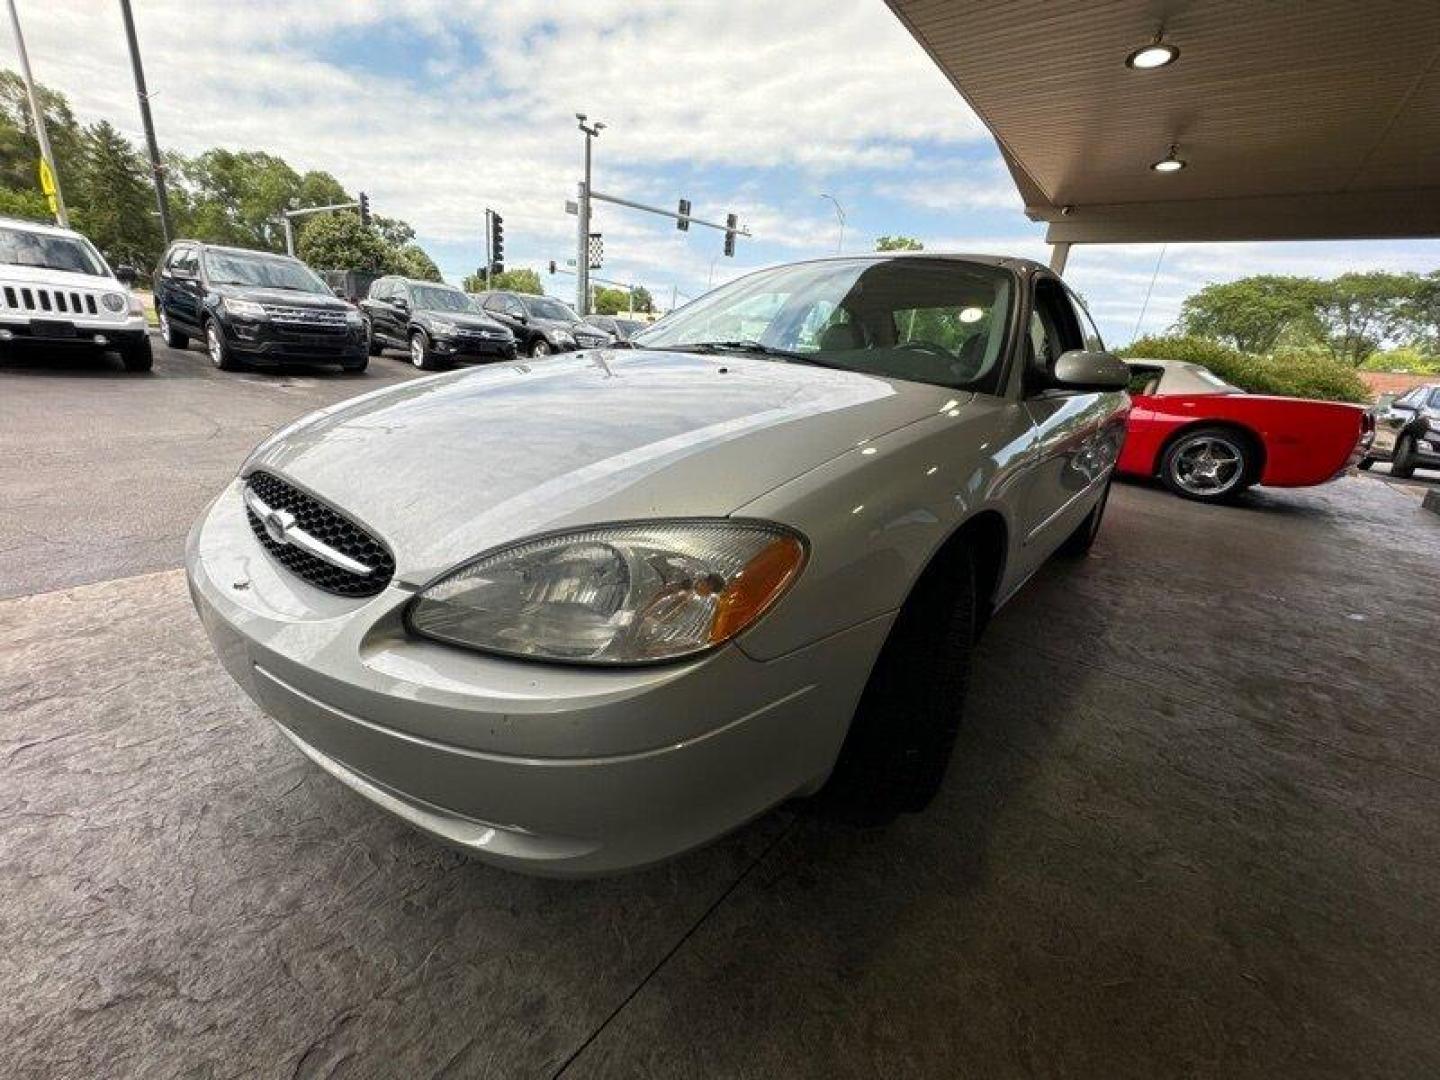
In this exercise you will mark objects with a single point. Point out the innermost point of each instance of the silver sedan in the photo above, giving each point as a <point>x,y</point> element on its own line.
<point>583,614</point>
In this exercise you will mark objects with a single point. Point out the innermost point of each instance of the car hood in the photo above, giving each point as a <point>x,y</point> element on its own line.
<point>66,278</point>
<point>459,318</point>
<point>446,467</point>
<point>288,297</point>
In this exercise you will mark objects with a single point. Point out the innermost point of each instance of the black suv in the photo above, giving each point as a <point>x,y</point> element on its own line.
<point>434,323</point>
<point>542,324</point>
<point>254,306</point>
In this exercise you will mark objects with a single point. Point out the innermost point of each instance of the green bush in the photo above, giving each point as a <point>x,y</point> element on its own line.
<point>1294,372</point>
<point>1407,360</point>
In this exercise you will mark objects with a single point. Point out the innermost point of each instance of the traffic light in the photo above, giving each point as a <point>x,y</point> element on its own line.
<point>730,222</point>
<point>683,222</point>
<point>364,209</point>
<point>552,266</point>
<point>497,243</point>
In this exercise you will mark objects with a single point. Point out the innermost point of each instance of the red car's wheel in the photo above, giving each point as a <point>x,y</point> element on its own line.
<point>1210,464</point>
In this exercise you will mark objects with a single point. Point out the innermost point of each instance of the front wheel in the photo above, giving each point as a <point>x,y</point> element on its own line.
<point>372,345</point>
<point>216,347</point>
<point>1402,464</point>
<point>173,337</point>
<point>1208,465</point>
<point>138,355</point>
<point>355,367</point>
<point>420,354</point>
<point>901,738</point>
<point>540,347</point>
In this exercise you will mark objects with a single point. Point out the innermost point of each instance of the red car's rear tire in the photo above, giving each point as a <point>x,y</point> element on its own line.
<point>1209,464</point>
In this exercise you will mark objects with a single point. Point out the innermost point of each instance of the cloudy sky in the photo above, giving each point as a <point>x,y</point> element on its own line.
<point>440,108</point>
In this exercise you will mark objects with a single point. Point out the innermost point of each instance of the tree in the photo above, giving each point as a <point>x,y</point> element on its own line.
<point>1420,313</point>
<point>521,280</point>
<point>1251,314</point>
<point>1357,312</point>
<point>643,300</point>
<point>339,241</point>
<point>113,198</point>
<point>29,205</point>
<point>898,243</point>
<point>611,301</point>
<point>412,262</point>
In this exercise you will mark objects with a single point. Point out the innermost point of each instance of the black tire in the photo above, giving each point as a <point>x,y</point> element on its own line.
<point>1402,464</point>
<point>901,738</point>
<point>373,345</point>
<point>420,354</point>
<point>1364,464</point>
<point>1078,544</point>
<point>138,355</point>
<point>216,348</point>
<point>540,347</point>
<point>355,367</point>
<point>1239,471</point>
<point>173,337</point>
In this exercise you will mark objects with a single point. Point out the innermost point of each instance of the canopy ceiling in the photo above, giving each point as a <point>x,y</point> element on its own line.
<point>1298,119</point>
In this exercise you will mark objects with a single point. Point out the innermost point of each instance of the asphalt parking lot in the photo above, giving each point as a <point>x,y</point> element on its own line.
<point>1189,830</point>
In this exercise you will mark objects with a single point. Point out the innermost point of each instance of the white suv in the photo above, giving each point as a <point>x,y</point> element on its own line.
<point>56,290</point>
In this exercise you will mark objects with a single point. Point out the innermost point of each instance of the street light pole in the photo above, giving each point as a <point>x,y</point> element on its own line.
<point>41,135</point>
<point>840,216</point>
<point>582,245</point>
<point>157,167</point>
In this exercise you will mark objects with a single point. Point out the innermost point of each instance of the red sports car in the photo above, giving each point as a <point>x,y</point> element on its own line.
<point>1208,440</point>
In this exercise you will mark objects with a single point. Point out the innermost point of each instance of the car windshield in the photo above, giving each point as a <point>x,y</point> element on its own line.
<point>543,307</point>
<point>439,298</point>
<point>933,320</point>
<point>263,271</point>
<point>21,247</point>
<point>628,327</point>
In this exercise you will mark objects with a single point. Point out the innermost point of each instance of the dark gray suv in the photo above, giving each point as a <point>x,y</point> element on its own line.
<point>1407,432</point>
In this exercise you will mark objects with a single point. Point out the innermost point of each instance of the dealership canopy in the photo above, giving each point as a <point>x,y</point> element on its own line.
<point>1256,119</point>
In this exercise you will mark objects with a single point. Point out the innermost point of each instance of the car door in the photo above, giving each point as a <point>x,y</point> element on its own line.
<point>507,310</point>
<point>183,290</point>
<point>1075,436</point>
<point>376,310</point>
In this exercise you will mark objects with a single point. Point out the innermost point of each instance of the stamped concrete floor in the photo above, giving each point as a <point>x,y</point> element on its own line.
<point>1190,830</point>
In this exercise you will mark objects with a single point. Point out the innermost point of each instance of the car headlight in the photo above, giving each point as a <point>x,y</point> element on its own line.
<point>613,594</point>
<point>564,337</point>
<point>246,309</point>
<point>354,318</point>
<point>442,327</point>
<point>113,301</point>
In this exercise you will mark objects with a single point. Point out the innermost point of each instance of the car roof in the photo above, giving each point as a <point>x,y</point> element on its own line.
<point>37,227</point>
<point>230,250</point>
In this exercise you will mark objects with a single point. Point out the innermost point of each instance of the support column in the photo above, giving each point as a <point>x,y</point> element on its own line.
<point>1059,254</point>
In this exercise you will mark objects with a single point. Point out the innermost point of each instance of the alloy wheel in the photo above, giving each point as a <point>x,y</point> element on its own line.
<point>1208,465</point>
<point>215,346</point>
<point>417,351</point>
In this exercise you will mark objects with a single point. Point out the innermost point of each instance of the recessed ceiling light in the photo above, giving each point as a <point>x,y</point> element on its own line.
<point>1171,162</point>
<point>971,314</point>
<point>1152,56</point>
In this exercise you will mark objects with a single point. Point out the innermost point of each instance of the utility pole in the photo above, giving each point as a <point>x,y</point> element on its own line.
<point>840,216</point>
<point>582,246</point>
<point>157,167</point>
<point>41,136</point>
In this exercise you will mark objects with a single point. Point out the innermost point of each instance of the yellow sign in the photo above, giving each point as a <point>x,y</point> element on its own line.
<point>47,179</point>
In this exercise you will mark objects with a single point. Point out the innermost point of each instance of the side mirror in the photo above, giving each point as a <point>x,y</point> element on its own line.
<point>126,274</point>
<point>400,302</point>
<point>1081,370</point>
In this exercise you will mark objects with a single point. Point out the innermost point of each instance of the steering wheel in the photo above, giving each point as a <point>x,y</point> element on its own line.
<point>929,349</point>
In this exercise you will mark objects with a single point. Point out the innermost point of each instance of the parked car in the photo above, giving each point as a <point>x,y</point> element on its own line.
<point>1407,432</point>
<point>582,616</point>
<point>58,292</point>
<point>618,328</point>
<point>541,324</point>
<point>1209,441</point>
<point>435,324</point>
<point>254,307</point>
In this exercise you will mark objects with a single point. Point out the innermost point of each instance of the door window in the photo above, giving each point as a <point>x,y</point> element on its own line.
<point>1087,324</point>
<point>184,262</point>
<point>1054,328</point>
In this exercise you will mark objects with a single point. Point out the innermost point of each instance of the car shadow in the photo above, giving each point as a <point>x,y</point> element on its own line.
<point>92,364</point>
<point>1254,500</point>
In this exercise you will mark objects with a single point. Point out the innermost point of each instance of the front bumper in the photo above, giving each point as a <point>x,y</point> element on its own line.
<point>473,347</point>
<point>65,333</point>
<point>536,767</point>
<point>263,341</point>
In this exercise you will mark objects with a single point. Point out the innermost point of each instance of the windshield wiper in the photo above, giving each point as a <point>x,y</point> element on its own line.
<point>749,347</point>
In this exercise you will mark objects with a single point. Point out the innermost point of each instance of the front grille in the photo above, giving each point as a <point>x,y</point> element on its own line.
<point>327,526</point>
<point>309,318</point>
<point>35,299</point>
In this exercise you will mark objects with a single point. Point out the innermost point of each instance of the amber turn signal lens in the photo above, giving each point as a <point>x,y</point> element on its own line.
<point>751,591</point>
